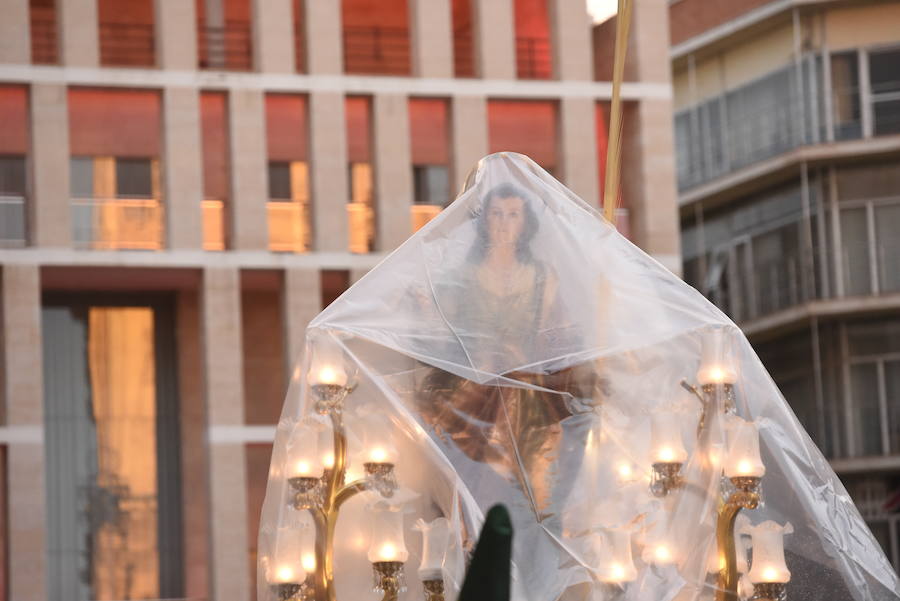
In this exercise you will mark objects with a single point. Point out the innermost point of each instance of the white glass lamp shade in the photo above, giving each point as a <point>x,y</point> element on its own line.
<point>616,564</point>
<point>768,553</point>
<point>327,365</point>
<point>285,565</point>
<point>716,363</point>
<point>743,450</point>
<point>387,542</point>
<point>435,539</point>
<point>378,446</point>
<point>666,444</point>
<point>303,458</point>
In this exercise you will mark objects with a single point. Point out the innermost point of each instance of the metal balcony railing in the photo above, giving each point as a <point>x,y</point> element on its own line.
<point>118,223</point>
<point>376,50</point>
<point>127,44</point>
<point>361,218</point>
<point>12,221</point>
<point>533,59</point>
<point>463,53</point>
<point>43,42</point>
<point>227,48</point>
<point>289,229</point>
<point>213,224</point>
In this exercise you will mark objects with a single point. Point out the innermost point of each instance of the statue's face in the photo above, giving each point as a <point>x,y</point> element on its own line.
<point>505,220</point>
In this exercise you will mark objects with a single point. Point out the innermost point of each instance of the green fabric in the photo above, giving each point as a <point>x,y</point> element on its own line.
<point>489,573</point>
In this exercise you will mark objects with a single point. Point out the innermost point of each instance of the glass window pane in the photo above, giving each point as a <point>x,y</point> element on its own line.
<point>134,178</point>
<point>884,71</point>
<point>81,177</point>
<point>12,176</point>
<point>279,181</point>
<point>865,410</point>
<point>887,117</point>
<point>855,252</point>
<point>873,337</point>
<point>887,246</point>
<point>432,184</point>
<point>892,388</point>
<point>845,96</point>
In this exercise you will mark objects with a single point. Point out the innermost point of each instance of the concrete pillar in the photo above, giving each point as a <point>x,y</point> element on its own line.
<point>570,37</point>
<point>469,136</point>
<point>273,36</point>
<point>79,35</point>
<point>23,392</point>
<point>223,370</point>
<point>302,301</point>
<point>648,180</point>
<point>648,42</point>
<point>494,38</point>
<point>328,168</point>
<point>182,168</point>
<point>50,221</point>
<point>578,148</point>
<point>431,38</point>
<point>176,35</point>
<point>393,170</point>
<point>324,37</point>
<point>15,32</point>
<point>249,170</point>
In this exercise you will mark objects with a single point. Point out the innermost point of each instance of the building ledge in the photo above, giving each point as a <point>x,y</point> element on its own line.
<point>859,465</point>
<point>744,180</point>
<point>788,319</point>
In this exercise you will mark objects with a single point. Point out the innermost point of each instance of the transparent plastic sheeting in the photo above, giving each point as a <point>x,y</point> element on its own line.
<point>519,350</point>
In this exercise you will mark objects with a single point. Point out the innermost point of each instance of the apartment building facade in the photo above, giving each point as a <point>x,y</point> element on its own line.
<point>787,132</point>
<point>184,185</point>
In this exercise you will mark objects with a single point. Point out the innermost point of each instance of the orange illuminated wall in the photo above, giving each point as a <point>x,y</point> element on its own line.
<point>43,24</point>
<point>119,123</point>
<point>533,57</point>
<point>524,126</point>
<point>214,131</point>
<point>14,120</point>
<point>287,130</point>
<point>126,32</point>
<point>428,127</point>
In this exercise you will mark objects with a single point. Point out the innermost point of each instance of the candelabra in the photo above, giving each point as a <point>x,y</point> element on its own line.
<point>318,485</point>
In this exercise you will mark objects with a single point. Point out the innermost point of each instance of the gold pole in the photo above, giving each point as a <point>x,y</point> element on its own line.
<point>614,141</point>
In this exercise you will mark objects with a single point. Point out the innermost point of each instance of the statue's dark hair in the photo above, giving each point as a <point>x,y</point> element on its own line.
<point>529,229</point>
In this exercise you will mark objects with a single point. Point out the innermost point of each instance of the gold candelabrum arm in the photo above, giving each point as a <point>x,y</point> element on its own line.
<point>746,497</point>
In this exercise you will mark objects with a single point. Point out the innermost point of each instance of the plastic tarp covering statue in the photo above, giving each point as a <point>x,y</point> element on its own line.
<point>519,350</point>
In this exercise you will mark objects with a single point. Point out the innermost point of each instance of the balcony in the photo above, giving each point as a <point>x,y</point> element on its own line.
<point>533,59</point>
<point>127,45</point>
<point>376,50</point>
<point>43,41</point>
<point>289,229</point>
<point>463,53</point>
<point>227,48</point>
<point>12,222</point>
<point>118,223</point>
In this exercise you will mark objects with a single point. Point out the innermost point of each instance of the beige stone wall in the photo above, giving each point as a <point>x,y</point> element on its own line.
<point>862,25</point>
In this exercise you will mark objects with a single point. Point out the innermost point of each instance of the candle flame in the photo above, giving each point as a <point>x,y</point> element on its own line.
<point>303,468</point>
<point>666,454</point>
<point>378,455</point>
<point>284,574</point>
<point>769,574</point>
<point>662,553</point>
<point>717,374</point>
<point>328,375</point>
<point>744,466</point>
<point>387,552</point>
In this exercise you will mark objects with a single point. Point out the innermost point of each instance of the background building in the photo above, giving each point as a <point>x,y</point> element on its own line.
<point>787,130</point>
<point>183,185</point>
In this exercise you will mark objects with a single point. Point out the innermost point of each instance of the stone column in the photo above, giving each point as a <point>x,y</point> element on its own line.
<point>15,32</point>
<point>182,168</point>
<point>324,37</point>
<point>469,138</point>
<point>50,222</point>
<point>79,33</point>
<point>578,148</point>
<point>431,38</point>
<point>494,37</point>
<point>273,36</point>
<point>328,168</point>
<point>302,301</point>
<point>224,378</point>
<point>176,35</point>
<point>393,170</point>
<point>249,170</point>
<point>570,37</point>
<point>23,392</point>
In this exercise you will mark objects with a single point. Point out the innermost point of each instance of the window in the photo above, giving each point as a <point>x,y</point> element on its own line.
<point>81,177</point>
<point>432,184</point>
<point>279,181</point>
<point>12,200</point>
<point>845,104</point>
<point>884,77</point>
<point>134,178</point>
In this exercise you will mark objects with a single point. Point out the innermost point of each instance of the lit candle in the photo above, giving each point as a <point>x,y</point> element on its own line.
<point>617,565</point>
<point>386,543</point>
<point>285,566</point>
<point>715,364</point>
<point>435,539</point>
<point>665,431</point>
<point>768,552</point>
<point>743,450</point>
<point>378,443</point>
<point>303,452</point>
<point>326,366</point>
